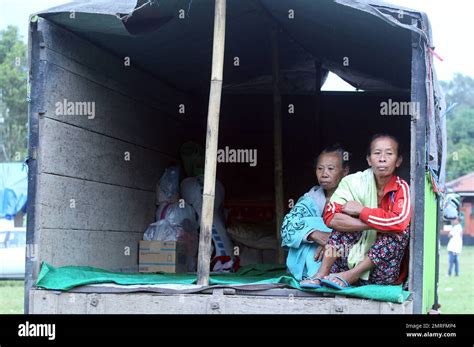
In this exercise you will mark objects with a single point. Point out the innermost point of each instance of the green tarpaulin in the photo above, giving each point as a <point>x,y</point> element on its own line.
<point>67,277</point>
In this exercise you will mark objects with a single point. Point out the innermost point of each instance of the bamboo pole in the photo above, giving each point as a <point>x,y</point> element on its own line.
<point>317,146</point>
<point>207,213</point>
<point>277,138</point>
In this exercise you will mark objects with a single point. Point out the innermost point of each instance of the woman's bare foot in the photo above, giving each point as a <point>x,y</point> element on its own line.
<point>316,280</point>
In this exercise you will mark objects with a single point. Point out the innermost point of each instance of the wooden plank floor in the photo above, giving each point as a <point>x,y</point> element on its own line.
<point>52,302</point>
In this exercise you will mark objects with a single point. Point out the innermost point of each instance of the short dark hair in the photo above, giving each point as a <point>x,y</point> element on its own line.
<point>380,135</point>
<point>335,148</point>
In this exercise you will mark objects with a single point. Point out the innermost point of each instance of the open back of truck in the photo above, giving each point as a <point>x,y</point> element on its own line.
<point>142,71</point>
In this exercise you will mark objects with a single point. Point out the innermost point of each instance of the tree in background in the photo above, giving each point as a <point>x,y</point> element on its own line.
<point>459,90</point>
<point>460,126</point>
<point>13,104</point>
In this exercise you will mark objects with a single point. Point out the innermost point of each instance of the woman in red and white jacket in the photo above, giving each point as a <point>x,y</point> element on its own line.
<point>391,219</point>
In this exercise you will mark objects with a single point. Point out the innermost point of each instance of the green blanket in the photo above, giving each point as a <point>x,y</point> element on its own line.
<point>67,277</point>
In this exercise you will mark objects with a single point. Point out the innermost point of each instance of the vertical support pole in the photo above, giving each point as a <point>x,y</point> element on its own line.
<point>417,172</point>
<point>277,138</point>
<point>207,213</point>
<point>36,101</point>
<point>318,121</point>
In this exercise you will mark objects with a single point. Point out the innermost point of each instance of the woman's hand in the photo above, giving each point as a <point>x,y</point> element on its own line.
<point>320,237</point>
<point>352,208</point>
<point>318,255</point>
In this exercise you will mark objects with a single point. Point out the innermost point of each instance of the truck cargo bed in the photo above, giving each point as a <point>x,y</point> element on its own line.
<point>217,301</point>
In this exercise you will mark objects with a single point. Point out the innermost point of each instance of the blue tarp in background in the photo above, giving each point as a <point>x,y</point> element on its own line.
<point>13,189</point>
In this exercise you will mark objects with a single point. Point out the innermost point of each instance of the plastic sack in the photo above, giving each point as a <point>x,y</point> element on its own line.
<point>191,191</point>
<point>180,214</point>
<point>451,206</point>
<point>161,231</point>
<point>168,186</point>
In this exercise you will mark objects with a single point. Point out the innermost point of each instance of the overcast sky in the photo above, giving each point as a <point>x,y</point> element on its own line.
<point>451,22</point>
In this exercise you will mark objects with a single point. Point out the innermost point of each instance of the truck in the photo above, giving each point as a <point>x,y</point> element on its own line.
<point>115,88</point>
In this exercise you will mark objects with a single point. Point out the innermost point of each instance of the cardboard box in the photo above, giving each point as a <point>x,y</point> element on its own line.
<point>162,256</point>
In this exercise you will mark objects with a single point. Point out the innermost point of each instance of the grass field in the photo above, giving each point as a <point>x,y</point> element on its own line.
<point>11,297</point>
<point>456,294</point>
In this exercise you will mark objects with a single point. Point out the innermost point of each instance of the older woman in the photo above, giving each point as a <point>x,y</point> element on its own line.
<point>303,231</point>
<point>370,213</point>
